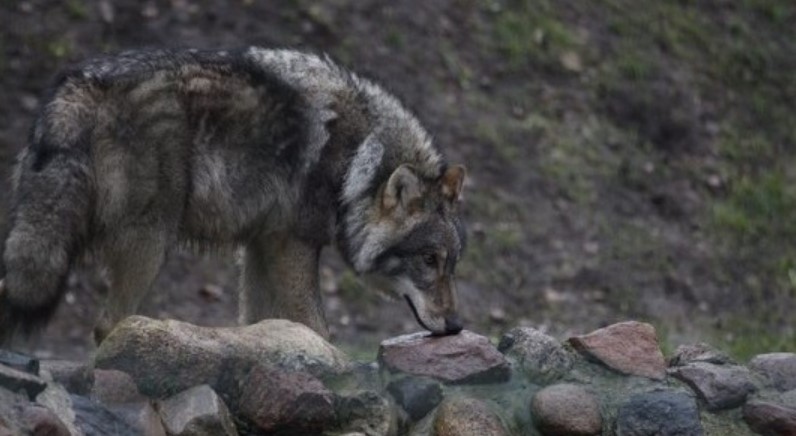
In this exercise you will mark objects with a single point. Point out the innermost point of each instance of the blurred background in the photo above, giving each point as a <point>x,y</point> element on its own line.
<point>627,159</point>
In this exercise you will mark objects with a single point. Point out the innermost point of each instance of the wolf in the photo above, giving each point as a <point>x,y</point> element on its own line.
<point>271,153</point>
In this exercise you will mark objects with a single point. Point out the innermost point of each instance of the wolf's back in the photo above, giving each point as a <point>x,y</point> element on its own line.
<point>50,211</point>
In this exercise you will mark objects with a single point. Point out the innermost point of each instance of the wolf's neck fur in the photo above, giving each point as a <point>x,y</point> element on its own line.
<point>392,137</point>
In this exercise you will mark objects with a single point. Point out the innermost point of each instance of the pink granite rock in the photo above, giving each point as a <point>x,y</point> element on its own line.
<point>628,347</point>
<point>293,402</point>
<point>462,358</point>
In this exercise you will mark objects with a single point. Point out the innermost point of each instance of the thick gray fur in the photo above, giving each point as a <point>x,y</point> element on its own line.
<point>274,153</point>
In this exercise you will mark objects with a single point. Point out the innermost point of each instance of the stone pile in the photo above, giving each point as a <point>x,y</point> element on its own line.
<point>277,377</point>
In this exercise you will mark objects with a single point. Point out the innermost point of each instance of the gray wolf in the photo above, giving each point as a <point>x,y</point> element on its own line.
<point>274,153</point>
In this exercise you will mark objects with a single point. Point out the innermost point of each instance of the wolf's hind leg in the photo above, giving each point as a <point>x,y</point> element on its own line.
<point>279,279</point>
<point>133,260</point>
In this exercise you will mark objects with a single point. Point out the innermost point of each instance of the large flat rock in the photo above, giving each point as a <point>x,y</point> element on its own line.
<point>463,358</point>
<point>167,357</point>
<point>627,347</point>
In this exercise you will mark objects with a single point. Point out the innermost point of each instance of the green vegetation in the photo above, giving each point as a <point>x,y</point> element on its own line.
<point>529,33</point>
<point>657,71</point>
<point>77,9</point>
<point>59,48</point>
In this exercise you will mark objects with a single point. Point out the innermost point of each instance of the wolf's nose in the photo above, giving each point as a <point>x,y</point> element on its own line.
<point>453,324</point>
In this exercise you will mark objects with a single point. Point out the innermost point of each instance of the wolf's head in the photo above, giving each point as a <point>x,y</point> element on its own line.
<point>409,240</point>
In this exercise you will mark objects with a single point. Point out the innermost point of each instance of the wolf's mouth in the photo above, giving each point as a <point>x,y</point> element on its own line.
<point>417,315</point>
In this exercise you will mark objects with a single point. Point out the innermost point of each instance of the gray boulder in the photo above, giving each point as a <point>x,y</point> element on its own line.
<point>196,412</point>
<point>168,357</point>
<point>779,369</point>
<point>719,386</point>
<point>566,410</point>
<point>541,357</point>
<point>659,413</point>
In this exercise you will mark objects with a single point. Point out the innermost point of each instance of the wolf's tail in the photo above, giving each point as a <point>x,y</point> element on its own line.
<point>48,226</point>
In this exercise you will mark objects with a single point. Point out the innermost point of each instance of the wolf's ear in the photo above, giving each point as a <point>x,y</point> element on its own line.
<point>452,182</point>
<point>402,189</point>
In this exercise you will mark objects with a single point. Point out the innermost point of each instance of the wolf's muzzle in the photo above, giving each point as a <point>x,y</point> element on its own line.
<point>453,324</point>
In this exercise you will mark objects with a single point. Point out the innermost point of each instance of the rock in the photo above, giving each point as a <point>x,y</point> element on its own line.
<point>15,380</point>
<point>571,61</point>
<point>94,420</point>
<point>417,396</point>
<point>769,418</point>
<point>788,398</point>
<point>76,377</point>
<point>778,368</point>
<point>196,412</point>
<point>139,415</point>
<point>40,421</point>
<point>628,347</point>
<point>540,356</point>
<point>698,353</point>
<point>114,387</point>
<point>11,404</point>
<point>459,416</point>
<point>19,362</point>
<point>366,413</point>
<point>659,413</point>
<point>57,399</point>
<point>462,358</point>
<point>118,393</point>
<point>168,357</point>
<point>566,409</point>
<point>278,400</point>
<point>719,386</point>
<point>5,428</point>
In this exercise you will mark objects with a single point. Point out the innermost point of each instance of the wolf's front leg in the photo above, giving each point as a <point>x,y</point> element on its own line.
<point>280,280</point>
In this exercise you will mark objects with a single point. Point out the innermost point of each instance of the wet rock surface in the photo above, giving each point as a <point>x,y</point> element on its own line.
<point>719,386</point>
<point>463,358</point>
<point>629,347</point>
<point>566,409</point>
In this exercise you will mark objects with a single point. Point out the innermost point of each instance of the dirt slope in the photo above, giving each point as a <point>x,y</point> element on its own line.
<point>627,159</point>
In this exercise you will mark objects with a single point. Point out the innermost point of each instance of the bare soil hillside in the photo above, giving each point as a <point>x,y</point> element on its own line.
<point>627,159</point>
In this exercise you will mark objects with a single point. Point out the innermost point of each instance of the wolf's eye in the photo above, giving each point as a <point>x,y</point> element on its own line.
<point>430,260</point>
